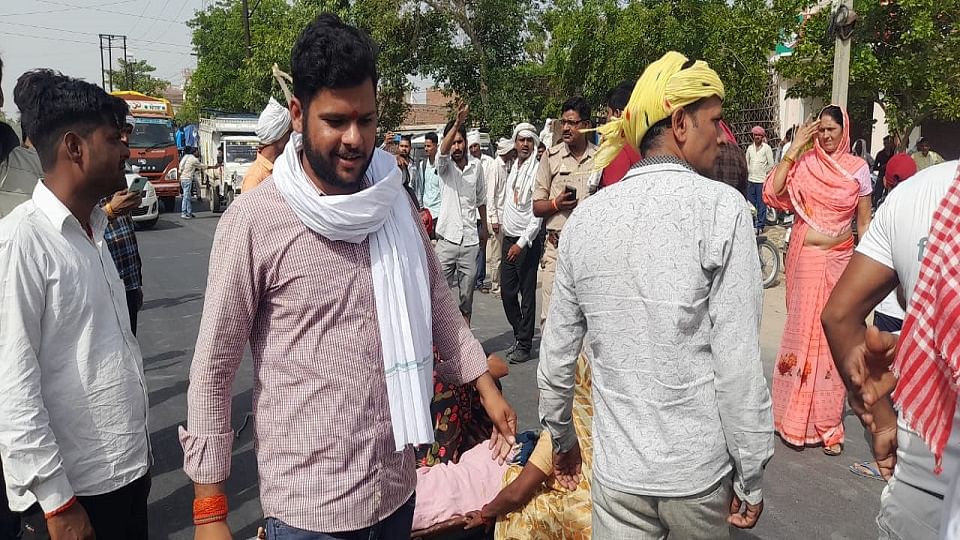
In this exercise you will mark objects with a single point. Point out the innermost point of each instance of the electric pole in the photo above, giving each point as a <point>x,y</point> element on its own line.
<point>107,45</point>
<point>841,57</point>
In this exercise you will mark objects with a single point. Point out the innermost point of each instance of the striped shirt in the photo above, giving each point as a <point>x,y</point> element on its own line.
<point>325,450</point>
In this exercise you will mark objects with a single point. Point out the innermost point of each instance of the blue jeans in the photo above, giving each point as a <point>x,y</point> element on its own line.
<point>755,196</point>
<point>186,202</point>
<point>397,526</point>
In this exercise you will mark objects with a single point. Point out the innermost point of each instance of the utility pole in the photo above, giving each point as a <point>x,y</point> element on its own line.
<point>841,59</point>
<point>246,26</point>
<point>126,61</point>
<point>106,44</point>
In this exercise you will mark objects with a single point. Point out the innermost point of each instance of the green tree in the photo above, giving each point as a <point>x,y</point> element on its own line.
<point>475,50</point>
<point>133,74</point>
<point>225,79</point>
<point>905,56</point>
<point>596,44</point>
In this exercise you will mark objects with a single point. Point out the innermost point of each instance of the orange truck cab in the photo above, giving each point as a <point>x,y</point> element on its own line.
<point>153,146</point>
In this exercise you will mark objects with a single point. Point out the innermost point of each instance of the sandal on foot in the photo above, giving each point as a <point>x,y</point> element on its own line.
<point>833,450</point>
<point>866,469</point>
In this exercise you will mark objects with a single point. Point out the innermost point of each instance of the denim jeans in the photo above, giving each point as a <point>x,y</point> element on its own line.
<point>396,526</point>
<point>186,203</point>
<point>755,195</point>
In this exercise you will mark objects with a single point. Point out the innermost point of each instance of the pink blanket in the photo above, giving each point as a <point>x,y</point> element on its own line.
<point>447,490</point>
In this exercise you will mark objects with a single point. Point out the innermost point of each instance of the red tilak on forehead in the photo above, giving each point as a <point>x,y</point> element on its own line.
<point>354,115</point>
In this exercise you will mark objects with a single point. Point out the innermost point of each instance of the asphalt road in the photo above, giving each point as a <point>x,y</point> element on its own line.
<point>807,494</point>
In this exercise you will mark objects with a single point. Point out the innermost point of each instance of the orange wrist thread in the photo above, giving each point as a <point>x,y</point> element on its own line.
<point>62,509</point>
<point>210,509</point>
<point>555,207</point>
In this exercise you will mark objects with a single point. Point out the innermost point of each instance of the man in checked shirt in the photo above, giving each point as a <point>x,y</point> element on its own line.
<point>324,270</point>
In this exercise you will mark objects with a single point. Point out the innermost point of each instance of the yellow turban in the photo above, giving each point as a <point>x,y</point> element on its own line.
<point>664,87</point>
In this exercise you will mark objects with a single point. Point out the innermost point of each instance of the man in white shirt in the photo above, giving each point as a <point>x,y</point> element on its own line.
<point>924,156</point>
<point>888,256</point>
<point>522,244</point>
<point>463,195</point>
<point>427,187</point>
<point>759,162</point>
<point>495,180</point>
<point>189,165</point>
<point>490,176</point>
<point>73,418</point>
<point>670,320</point>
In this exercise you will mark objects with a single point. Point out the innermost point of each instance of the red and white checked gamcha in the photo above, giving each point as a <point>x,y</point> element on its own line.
<point>928,360</point>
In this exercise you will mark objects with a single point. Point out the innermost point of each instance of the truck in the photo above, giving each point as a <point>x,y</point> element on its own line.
<point>230,142</point>
<point>153,148</point>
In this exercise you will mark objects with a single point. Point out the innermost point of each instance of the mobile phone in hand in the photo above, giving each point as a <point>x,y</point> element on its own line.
<point>570,189</point>
<point>138,185</point>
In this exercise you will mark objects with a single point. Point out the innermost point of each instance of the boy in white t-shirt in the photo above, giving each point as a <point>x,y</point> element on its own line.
<point>890,255</point>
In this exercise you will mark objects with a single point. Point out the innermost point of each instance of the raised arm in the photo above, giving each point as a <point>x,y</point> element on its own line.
<point>447,143</point>
<point>801,139</point>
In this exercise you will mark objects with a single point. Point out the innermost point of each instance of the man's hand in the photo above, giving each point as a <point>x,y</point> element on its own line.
<point>495,227</point>
<point>125,201</point>
<point>480,518</point>
<point>504,418</point>
<point>71,524</point>
<point>484,236</point>
<point>514,253</point>
<point>870,378</point>
<point>402,161</point>
<point>885,451</point>
<point>565,201</point>
<point>567,467</point>
<point>462,113</point>
<point>744,515</point>
<point>218,530</point>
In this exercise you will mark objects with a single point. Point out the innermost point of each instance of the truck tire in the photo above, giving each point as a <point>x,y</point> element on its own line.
<point>215,206</point>
<point>169,204</point>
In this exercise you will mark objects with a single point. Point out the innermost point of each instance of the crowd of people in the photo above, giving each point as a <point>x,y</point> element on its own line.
<point>349,271</point>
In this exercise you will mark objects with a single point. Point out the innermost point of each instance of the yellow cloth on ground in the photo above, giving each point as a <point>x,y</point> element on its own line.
<point>670,83</point>
<point>555,513</point>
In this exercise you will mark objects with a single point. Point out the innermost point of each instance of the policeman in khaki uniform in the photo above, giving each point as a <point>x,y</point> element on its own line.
<point>564,178</point>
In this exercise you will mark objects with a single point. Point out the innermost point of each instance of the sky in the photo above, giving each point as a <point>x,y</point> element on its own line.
<point>63,35</point>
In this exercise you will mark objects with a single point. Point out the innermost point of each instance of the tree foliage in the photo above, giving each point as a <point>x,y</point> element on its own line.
<point>905,55</point>
<point>133,74</point>
<point>225,79</point>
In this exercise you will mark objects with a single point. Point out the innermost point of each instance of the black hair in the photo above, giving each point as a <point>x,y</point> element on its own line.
<point>618,98</point>
<point>462,130</point>
<point>652,137</point>
<point>407,138</point>
<point>788,136</point>
<point>833,112</point>
<point>25,94</point>
<point>431,136</point>
<point>331,54</point>
<point>888,138</point>
<point>922,140</point>
<point>579,105</point>
<point>66,104</point>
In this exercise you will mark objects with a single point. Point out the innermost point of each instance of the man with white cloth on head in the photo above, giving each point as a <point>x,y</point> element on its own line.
<point>522,243</point>
<point>495,181</point>
<point>327,274</point>
<point>273,130</point>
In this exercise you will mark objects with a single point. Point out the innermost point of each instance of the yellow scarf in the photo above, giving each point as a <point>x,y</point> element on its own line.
<point>664,87</point>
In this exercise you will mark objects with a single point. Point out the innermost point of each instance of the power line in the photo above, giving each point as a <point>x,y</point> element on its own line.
<point>39,27</point>
<point>65,40</point>
<point>48,11</point>
<point>162,10</point>
<point>103,10</point>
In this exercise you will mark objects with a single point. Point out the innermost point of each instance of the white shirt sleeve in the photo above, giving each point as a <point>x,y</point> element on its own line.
<point>481,193</point>
<point>877,244</point>
<point>28,448</point>
<point>442,163</point>
<point>530,233</point>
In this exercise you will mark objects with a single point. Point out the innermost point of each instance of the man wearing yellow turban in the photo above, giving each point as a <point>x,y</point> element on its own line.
<point>658,279</point>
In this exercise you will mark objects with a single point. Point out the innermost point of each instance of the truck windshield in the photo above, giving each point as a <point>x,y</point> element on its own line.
<point>152,133</point>
<point>240,152</point>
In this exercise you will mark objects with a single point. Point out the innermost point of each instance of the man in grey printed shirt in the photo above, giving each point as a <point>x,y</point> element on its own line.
<point>658,280</point>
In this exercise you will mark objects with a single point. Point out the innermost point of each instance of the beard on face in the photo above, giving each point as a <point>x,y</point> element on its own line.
<point>324,167</point>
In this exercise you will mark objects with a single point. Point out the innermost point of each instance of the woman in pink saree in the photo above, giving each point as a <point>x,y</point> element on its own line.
<point>824,186</point>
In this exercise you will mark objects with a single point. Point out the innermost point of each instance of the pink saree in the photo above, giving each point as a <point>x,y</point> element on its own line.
<point>808,394</point>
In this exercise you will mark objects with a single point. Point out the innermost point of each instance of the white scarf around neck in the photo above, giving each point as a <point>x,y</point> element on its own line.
<point>521,180</point>
<point>382,214</point>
